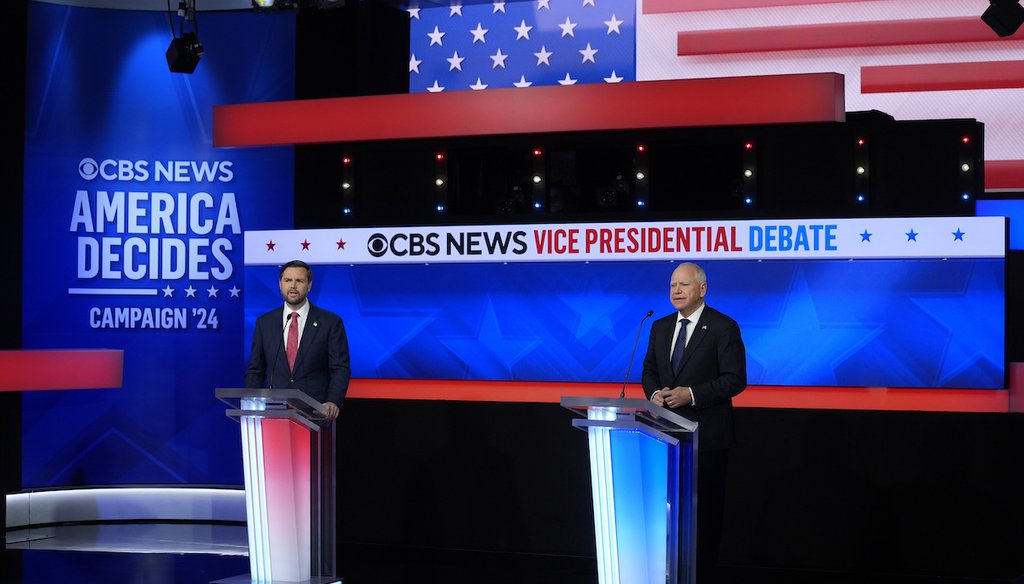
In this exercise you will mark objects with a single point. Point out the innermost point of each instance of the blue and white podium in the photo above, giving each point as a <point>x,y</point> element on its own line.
<point>645,509</point>
<point>288,462</point>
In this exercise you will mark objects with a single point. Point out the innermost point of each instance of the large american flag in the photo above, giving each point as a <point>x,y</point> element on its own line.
<point>522,44</point>
<point>913,59</point>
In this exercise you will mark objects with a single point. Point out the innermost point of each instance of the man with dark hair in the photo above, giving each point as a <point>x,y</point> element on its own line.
<point>695,364</point>
<point>301,346</point>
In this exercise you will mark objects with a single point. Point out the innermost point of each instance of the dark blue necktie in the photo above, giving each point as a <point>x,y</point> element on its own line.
<point>677,352</point>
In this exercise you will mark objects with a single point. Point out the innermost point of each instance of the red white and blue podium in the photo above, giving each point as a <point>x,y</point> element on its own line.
<point>288,462</point>
<point>644,507</point>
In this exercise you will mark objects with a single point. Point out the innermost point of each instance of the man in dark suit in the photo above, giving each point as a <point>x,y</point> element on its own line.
<point>695,364</point>
<point>301,345</point>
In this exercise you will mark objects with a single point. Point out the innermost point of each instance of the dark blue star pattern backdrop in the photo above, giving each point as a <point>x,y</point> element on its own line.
<point>896,323</point>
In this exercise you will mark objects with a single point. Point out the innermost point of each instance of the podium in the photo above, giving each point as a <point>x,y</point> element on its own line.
<point>643,471</point>
<point>288,463</point>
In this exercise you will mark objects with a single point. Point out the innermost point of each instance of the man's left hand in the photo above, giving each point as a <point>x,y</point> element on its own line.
<point>332,411</point>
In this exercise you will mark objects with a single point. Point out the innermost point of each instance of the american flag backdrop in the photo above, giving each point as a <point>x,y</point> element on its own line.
<point>522,44</point>
<point>912,59</point>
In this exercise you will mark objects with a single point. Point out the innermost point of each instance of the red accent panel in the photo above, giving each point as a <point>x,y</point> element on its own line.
<point>1017,387</point>
<point>69,369</point>
<point>942,77</point>
<point>816,97</point>
<point>838,36</point>
<point>1004,175</point>
<point>837,398</point>
<point>666,6</point>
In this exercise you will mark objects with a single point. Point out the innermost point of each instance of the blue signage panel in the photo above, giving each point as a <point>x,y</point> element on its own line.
<point>133,236</point>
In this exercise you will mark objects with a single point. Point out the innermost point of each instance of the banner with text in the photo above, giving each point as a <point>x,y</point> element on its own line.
<point>916,237</point>
<point>133,236</point>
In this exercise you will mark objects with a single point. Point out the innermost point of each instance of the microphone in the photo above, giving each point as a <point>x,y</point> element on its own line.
<point>622,394</point>
<point>277,355</point>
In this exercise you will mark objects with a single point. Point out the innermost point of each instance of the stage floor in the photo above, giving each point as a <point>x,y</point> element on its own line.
<point>198,554</point>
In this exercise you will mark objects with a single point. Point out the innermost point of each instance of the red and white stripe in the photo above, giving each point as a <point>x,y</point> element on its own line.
<point>913,59</point>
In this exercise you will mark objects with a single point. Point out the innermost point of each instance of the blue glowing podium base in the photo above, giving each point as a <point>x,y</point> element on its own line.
<point>643,465</point>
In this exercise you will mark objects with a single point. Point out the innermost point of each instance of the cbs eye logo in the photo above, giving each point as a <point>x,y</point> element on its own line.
<point>377,245</point>
<point>88,168</point>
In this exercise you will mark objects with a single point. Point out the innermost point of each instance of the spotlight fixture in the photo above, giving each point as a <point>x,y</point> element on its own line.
<point>1004,17</point>
<point>281,4</point>
<point>185,50</point>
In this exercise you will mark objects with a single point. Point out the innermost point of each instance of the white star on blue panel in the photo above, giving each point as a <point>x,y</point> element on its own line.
<point>540,43</point>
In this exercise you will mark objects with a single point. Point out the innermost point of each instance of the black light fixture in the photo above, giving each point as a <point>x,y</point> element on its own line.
<point>1004,16</point>
<point>185,50</point>
<point>280,4</point>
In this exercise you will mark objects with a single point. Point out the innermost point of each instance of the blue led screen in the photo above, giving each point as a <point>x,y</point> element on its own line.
<point>898,323</point>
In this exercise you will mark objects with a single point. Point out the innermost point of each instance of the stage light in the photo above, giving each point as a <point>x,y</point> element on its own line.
<point>861,170</point>
<point>966,196</point>
<point>749,145</point>
<point>966,139</point>
<point>1004,17</point>
<point>439,182</point>
<point>748,173</point>
<point>965,167</point>
<point>347,211</point>
<point>537,205</point>
<point>748,201</point>
<point>537,152</point>
<point>641,203</point>
<point>640,176</point>
<point>641,148</point>
<point>346,160</point>
<point>860,142</point>
<point>536,180</point>
<point>346,185</point>
<point>185,50</point>
<point>440,208</point>
<point>439,156</point>
<point>184,53</point>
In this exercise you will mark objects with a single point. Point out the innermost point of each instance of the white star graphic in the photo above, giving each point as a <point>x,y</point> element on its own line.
<point>498,7</point>
<point>235,291</point>
<point>523,82</point>
<point>613,25</point>
<point>614,78</point>
<point>414,13</point>
<point>543,55</point>
<point>455,9</point>
<point>478,85</point>
<point>212,292</point>
<point>590,2</point>
<point>455,62</point>
<point>414,63</point>
<point>168,291</point>
<point>499,60</point>
<point>435,88</point>
<point>567,81</point>
<point>588,54</point>
<point>479,32</point>
<point>190,292</point>
<point>543,4</point>
<point>522,31</point>
<point>435,37</point>
<point>567,28</point>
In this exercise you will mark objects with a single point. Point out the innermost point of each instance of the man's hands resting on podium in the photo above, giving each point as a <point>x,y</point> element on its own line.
<point>673,398</point>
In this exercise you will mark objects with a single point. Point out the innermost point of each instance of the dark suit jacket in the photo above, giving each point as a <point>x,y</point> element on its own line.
<point>321,366</point>
<point>714,367</point>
